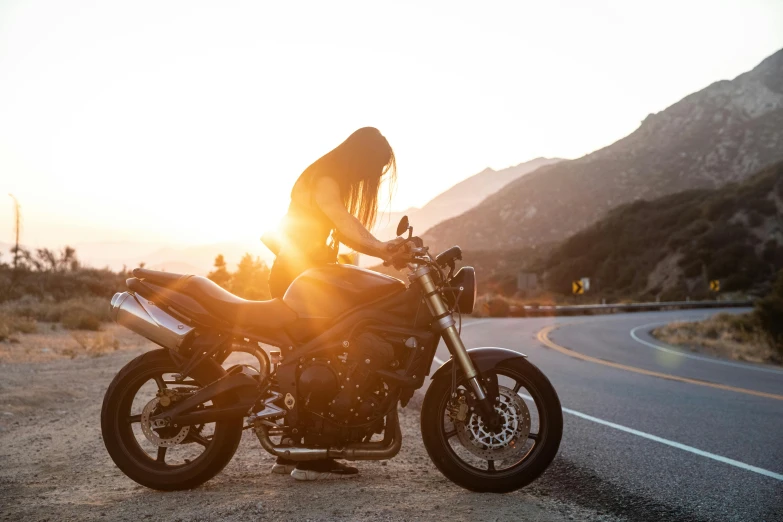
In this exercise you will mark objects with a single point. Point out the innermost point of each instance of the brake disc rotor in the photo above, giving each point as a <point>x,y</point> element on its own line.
<point>509,440</point>
<point>148,427</point>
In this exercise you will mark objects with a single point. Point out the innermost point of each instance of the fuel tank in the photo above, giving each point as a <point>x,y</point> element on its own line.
<point>328,291</point>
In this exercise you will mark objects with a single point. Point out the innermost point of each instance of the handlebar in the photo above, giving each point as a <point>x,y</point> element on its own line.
<point>401,258</point>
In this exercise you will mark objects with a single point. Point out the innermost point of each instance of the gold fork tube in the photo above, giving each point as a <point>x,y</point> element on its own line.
<point>449,331</point>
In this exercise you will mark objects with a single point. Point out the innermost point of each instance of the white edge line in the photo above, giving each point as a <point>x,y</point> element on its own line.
<point>724,460</point>
<point>697,357</point>
<point>477,321</point>
<point>648,436</point>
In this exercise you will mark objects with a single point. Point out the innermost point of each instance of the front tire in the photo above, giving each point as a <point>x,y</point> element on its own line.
<point>123,444</point>
<point>446,443</point>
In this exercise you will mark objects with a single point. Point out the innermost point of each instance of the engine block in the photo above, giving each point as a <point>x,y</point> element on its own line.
<point>343,387</point>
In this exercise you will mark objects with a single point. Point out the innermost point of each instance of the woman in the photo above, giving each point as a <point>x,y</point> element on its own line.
<point>336,196</point>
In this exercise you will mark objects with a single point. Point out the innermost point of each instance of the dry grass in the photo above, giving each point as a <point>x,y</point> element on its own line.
<point>492,306</point>
<point>729,336</point>
<point>50,311</point>
<point>10,325</point>
<point>52,342</point>
<point>22,316</point>
<point>95,345</point>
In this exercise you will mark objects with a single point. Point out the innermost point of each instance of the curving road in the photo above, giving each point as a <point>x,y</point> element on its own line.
<point>652,433</point>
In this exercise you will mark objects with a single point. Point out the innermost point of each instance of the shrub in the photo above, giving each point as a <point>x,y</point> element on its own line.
<point>10,324</point>
<point>94,345</point>
<point>737,337</point>
<point>769,313</point>
<point>81,319</point>
<point>498,307</point>
<point>50,311</point>
<point>492,306</point>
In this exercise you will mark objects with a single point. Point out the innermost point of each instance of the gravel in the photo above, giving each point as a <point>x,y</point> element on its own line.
<point>53,466</point>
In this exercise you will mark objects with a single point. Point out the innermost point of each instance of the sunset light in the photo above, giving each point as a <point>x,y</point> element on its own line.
<point>358,260</point>
<point>187,122</point>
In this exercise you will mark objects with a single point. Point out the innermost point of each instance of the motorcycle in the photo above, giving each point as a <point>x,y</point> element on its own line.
<point>331,361</point>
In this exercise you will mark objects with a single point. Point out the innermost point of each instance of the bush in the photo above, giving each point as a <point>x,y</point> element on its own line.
<point>738,337</point>
<point>499,307</point>
<point>81,319</point>
<point>10,324</point>
<point>94,345</point>
<point>769,313</point>
<point>50,311</point>
<point>59,285</point>
<point>492,306</point>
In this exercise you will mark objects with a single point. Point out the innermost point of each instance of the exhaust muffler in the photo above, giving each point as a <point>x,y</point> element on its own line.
<point>143,317</point>
<point>382,450</point>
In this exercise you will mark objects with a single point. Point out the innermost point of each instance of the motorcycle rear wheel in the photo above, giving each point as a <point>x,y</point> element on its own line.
<point>123,444</point>
<point>444,442</point>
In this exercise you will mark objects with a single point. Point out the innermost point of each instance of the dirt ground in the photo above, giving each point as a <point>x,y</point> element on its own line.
<point>53,465</point>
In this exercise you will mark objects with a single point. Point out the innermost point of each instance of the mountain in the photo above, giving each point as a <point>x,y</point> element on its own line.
<point>461,197</point>
<point>723,133</point>
<point>671,247</point>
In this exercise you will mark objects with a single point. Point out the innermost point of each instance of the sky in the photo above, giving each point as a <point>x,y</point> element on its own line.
<point>187,122</point>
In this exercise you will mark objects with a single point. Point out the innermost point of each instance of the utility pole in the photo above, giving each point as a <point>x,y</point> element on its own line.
<point>18,226</point>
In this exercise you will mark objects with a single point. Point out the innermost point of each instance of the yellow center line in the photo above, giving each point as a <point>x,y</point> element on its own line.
<point>543,337</point>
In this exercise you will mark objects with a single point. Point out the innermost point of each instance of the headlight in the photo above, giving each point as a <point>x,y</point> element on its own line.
<point>465,278</point>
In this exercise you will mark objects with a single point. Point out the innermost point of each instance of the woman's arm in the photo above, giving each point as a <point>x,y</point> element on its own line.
<point>351,231</point>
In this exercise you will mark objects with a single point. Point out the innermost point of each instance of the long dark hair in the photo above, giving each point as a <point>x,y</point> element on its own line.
<point>359,165</point>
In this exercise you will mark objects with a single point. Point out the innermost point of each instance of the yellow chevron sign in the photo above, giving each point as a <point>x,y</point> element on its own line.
<point>577,288</point>
<point>715,285</point>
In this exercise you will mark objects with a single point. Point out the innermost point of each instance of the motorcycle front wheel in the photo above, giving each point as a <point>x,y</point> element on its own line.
<point>170,458</point>
<point>478,458</point>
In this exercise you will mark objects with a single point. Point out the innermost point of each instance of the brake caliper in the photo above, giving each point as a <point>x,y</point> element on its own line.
<point>458,408</point>
<point>166,397</point>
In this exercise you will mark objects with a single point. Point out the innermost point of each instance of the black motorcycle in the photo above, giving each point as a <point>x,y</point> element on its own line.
<point>331,361</point>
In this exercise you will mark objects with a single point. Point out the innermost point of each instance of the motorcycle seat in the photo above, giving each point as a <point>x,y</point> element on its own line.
<point>222,304</point>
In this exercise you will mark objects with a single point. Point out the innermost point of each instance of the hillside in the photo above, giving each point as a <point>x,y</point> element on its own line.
<point>672,246</point>
<point>723,133</point>
<point>461,197</point>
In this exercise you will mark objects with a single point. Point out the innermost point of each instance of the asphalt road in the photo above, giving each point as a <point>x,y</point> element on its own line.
<point>705,445</point>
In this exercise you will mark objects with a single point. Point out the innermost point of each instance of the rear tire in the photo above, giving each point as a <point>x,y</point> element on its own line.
<point>550,431</point>
<point>123,447</point>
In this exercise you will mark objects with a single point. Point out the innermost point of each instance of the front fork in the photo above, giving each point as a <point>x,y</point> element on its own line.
<point>444,323</point>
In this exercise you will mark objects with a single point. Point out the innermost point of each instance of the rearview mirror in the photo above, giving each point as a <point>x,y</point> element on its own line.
<point>403,226</point>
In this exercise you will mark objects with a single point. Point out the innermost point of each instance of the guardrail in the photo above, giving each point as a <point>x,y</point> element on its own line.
<point>625,307</point>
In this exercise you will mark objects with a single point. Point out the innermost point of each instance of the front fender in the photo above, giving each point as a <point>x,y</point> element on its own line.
<point>484,359</point>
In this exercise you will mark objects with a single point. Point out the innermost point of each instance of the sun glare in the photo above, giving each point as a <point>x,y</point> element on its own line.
<point>188,122</point>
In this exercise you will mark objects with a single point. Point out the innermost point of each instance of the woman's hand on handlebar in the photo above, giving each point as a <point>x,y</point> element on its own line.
<point>395,250</point>
<point>390,247</point>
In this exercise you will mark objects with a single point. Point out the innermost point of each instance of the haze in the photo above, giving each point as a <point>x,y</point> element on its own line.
<point>187,122</point>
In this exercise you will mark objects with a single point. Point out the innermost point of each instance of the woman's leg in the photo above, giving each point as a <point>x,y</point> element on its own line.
<point>280,278</point>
